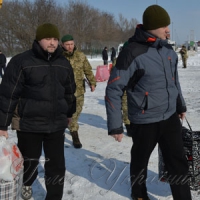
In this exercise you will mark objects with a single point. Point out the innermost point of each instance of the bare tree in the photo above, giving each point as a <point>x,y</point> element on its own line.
<point>79,21</point>
<point>126,28</point>
<point>91,28</point>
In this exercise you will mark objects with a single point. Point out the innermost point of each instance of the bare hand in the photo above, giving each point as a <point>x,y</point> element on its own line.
<point>4,133</point>
<point>182,115</point>
<point>118,137</point>
<point>69,120</point>
<point>92,88</point>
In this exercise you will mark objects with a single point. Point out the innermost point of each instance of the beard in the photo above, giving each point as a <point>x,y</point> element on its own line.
<point>51,49</point>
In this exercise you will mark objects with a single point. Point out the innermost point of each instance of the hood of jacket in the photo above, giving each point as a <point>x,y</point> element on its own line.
<point>144,37</point>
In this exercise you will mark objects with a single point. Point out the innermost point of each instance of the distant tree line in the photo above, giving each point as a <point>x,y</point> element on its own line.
<point>91,28</point>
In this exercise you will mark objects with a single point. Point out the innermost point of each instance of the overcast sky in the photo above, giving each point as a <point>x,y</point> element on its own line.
<point>185,14</point>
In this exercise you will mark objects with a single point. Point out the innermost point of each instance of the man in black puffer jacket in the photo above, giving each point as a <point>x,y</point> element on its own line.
<point>37,94</point>
<point>147,70</point>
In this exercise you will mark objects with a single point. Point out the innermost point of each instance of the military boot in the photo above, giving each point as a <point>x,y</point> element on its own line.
<point>139,198</point>
<point>76,142</point>
<point>184,65</point>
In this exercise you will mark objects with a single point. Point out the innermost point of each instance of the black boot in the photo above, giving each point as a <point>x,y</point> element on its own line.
<point>76,142</point>
<point>128,130</point>
<point>138,198</point>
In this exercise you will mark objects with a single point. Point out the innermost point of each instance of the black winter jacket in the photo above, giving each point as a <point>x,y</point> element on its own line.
<point>104,55</point>
<point>2,60</point>
<point>40,88</point>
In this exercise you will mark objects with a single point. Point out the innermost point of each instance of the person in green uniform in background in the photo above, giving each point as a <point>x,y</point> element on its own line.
<point>184,56</point>
<point>82,71</point>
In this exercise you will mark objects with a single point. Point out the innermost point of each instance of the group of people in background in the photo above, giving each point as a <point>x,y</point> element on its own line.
<point>105,55</point>
<point>42,94</point>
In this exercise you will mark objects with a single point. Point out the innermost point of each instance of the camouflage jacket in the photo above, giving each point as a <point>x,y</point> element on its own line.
<point>82,69</point>
<point>183,53</point>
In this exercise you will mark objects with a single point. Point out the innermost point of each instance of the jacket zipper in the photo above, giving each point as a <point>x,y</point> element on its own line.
<point>170,60</point>
<point>145,102</point>
<point>53,93</point>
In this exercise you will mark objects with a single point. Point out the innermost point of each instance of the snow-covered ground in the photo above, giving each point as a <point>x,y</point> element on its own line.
<point>100,170</point>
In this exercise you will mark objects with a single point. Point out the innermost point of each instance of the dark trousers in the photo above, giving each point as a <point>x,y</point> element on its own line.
<point>105,62</point>
<point>1,74</point>
<point>184,60</point>
<point>167,134</point>
<point>30,145</point>
<point>4,69</point>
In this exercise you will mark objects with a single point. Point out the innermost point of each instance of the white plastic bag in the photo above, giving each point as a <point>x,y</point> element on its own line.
<point>11,161</point>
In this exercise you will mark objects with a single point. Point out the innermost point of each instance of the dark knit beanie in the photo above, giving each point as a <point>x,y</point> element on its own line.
<point>155,17</point>
<point>47,31</point>
<point>66,38</point>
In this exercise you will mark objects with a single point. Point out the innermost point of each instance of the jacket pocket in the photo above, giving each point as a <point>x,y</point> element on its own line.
<point>144,105</point>
<point>138,102</point>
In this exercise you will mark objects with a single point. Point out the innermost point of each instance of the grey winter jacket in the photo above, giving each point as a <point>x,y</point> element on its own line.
<point>147,70</point>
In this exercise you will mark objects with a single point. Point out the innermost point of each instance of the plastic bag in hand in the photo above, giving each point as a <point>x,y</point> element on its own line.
<point>11,161</point>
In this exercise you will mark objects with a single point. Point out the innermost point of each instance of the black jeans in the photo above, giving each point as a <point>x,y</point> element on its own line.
<point>1,74</point>
<point>30,145</point>
<point>167,134</point>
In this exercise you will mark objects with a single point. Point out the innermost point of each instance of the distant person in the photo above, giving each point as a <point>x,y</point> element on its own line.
<point>113,55</point>
<point>184,56</point>
<point>147,70</point>
<point>2,63</point>
<point>37,94</point>
<point>82,71</point>
<point>105,55</point>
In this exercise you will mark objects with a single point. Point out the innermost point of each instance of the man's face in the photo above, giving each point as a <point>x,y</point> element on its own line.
<point>49,44</point>
<point>161,33</point>
<point>68,46</point>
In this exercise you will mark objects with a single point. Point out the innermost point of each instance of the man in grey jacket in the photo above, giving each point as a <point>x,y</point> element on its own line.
<point>147,70</point>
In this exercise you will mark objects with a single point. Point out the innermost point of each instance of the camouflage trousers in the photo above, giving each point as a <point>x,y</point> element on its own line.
<point>79,106</point>
<point>125,109</point>
<point>184,60</point>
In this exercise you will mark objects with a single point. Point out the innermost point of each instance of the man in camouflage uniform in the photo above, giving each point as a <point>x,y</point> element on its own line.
<point>184,56</point>
<point>82,71</point>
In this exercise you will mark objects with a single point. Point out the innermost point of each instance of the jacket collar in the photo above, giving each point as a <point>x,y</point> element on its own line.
<point>40,53</point>
<point>142,36</point>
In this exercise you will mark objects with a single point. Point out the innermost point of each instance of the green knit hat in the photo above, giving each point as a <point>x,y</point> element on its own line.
<point>47,31</point>
<point>155,17</point>
<point>66,38</point>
